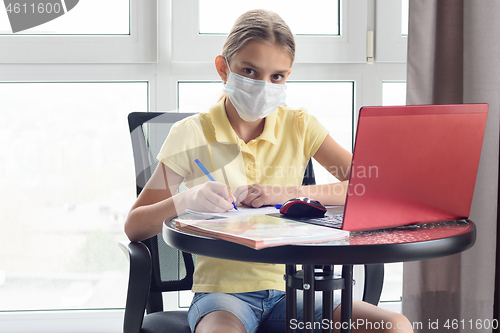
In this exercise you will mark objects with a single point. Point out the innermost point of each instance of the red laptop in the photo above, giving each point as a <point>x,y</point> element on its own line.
<point>414,164</point>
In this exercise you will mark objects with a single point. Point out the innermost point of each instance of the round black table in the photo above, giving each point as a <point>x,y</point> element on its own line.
<point>408,243</point>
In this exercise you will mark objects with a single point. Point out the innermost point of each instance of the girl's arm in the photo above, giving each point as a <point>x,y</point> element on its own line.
<point>334,158</point>
<point>156,203</point>
<point>331,156</point>
<point>153,205</point>
<point>337,161</point>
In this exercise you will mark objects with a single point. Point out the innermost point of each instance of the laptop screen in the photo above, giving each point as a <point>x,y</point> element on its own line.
<point>414,164</point>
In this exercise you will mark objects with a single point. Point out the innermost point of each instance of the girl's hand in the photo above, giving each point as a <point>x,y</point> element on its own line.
<point>258,195</point>
<point>213,197</point>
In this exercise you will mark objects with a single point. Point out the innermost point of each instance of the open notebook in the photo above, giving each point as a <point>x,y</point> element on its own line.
<point>257,230</point>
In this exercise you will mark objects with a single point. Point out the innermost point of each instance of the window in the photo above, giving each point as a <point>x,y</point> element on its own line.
<point>66,168</point>
<point>319,17</point>
<point>394,93</point>
<point>65,17</point>
<point>315,96</point>
<point>90,32</point>
<point>333,104</point>
<point>198,96</point>
<point>321,43</point>
<point>160,61</point>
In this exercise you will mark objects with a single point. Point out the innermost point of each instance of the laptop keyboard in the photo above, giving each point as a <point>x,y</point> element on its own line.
<point>332,221</point>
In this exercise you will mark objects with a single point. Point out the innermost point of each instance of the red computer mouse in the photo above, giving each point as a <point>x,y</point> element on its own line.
<point>303,207</point>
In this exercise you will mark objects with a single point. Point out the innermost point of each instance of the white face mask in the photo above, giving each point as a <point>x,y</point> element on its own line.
<point>253,99</point>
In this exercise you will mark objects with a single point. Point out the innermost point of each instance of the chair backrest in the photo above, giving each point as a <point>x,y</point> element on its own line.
<point>309,178</point>
<point>172,269</point>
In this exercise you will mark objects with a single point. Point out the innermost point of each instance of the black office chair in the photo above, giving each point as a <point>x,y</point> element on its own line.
<point>154,266</point>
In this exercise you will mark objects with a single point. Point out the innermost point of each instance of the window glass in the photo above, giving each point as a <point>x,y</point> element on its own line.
<point>332,102</point>
<point>329,101</point>
<point>198,96</point>
<point>67,179</point>
<point>393,93</point>
<point>65,17</point>
<point>404,17</point>
<point>392,290</point>
<point>318,17</point>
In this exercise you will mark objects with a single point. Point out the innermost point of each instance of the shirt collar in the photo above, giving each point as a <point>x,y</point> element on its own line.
<point>268,133</point>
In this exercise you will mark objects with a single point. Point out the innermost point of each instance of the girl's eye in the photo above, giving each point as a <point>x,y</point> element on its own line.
<point>248,71</point>
<point>277,77</point>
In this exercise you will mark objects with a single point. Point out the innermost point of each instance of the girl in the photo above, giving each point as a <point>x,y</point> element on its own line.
<point>261,147</point>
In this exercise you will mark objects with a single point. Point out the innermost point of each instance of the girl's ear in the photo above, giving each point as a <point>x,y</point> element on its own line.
<point>221,66</point>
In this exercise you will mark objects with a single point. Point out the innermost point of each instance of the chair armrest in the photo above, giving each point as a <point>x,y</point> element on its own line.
<point>374,281</point>
<point>138,285</point>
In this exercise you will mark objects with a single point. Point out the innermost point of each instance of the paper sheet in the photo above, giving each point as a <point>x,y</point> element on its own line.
<point>242,211</point>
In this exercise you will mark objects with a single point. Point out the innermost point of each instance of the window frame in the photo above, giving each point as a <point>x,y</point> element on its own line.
<point>350,47</point>
<point>138,47</point>
<point>391,45</point>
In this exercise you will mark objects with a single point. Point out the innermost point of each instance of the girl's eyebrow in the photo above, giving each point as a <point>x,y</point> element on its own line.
<point>249,64</point>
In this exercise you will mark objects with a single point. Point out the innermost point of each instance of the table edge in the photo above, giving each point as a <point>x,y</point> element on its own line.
<point>320,254</point>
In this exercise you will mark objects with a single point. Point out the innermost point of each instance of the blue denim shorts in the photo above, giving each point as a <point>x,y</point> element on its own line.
<point>259,311</point>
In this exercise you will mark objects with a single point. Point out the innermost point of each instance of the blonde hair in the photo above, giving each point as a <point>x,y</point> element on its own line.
<point>260,25</point>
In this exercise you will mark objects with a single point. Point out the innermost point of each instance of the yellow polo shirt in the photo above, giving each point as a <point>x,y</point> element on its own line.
<point>277,157</point>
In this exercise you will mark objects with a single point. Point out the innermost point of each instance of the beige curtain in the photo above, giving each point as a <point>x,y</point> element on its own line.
<point>454,57</point>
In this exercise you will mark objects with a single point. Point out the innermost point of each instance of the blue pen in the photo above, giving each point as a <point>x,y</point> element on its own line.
<point>205,171</point>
